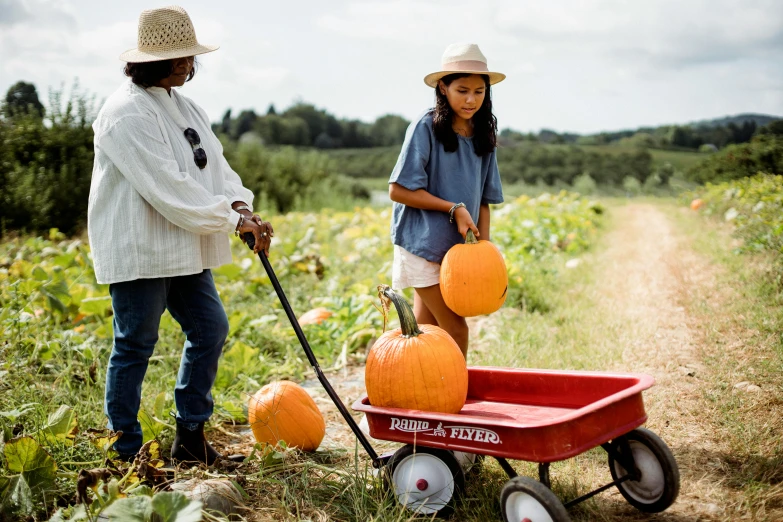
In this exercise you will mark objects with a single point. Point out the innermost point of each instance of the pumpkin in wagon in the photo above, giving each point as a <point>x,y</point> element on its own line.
<point>284,411</point>
<point>473,278</point>
<point>416,367</point>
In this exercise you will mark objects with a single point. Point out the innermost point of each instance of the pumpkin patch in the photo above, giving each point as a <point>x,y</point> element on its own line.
<point>473,278</point>
<point>415,367</point>
<point>284,411</point>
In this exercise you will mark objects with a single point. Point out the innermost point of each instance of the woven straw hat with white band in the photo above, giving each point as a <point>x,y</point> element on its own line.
<point>463,58</point>
<point>164,34</point>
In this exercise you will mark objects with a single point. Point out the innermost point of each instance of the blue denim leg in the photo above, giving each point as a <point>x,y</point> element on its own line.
<point>138,306</point>
<point>194,303</point>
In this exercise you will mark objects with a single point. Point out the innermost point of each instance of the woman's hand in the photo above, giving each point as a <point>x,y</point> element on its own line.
<point>465,222</point>
<point>262,232</point>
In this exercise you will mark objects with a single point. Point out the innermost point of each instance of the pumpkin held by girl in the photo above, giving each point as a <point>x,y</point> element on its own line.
<point>473,278</point>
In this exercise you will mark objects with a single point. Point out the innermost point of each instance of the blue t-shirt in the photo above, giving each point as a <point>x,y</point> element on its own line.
<point>459,176</point>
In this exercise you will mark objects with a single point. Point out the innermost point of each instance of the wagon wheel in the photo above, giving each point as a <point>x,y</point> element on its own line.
<point>659,476</point>
<point>425,480</point>
<point>526,500</point>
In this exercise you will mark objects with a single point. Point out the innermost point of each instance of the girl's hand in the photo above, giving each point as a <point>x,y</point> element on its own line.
<point>465,222</point>
<point>262,232</point>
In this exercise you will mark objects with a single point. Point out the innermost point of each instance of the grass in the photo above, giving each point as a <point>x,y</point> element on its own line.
<point>585,317</point>
<point>741,322</point>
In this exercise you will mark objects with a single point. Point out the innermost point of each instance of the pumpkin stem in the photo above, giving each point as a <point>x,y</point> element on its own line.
<point>408,323</point>
<point>470,238</point>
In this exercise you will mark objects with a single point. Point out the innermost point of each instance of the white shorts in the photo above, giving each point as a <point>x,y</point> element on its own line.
<point>410,270</point>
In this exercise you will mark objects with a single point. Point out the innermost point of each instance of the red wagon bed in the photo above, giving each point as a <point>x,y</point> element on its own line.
<point>533,415</point>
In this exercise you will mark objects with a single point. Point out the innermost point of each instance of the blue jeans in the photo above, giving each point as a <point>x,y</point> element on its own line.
<point>138,305</point>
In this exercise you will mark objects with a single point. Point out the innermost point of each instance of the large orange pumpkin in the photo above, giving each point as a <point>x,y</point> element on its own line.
<point>415,367</point>
<point>473,278</point>
<point>315,316</point>
<point>283,410</point>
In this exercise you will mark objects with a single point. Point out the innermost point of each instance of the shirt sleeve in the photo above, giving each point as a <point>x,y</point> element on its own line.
<point>136,146</point>
<point>493,190</point>
<point>415,154</point>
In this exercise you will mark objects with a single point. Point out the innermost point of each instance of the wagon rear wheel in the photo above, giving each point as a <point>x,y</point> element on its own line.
<point>526,500</point>
<point>425,480</point>
<point>658,482</point>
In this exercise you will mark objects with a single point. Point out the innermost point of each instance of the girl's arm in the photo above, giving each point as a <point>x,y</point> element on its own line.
<point>418,198</point>
<point>483,224</point>
<point>424,200</point>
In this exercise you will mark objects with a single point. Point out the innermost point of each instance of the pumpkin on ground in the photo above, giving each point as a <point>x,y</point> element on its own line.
<point>473,278</point>
<point>415,367</point>
<point>283,410</point>
<point>315,316</point>
<point>696,204</point>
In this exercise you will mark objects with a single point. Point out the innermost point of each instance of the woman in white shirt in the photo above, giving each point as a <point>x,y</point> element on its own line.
<point>163,200</point>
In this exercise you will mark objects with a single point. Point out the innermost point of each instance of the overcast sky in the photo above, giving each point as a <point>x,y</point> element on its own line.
<point>579,66</point>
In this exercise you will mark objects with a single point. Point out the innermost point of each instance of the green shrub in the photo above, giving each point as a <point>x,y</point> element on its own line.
<point>46,165</point>
<point>291,178</point>
<point>764,153</point>
<point>585,184</point>
<point>632,186</point>
<point>754,205</point>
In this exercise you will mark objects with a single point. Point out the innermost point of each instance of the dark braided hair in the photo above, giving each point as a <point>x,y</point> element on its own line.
<point>485,125</point>
<point>147,74</point>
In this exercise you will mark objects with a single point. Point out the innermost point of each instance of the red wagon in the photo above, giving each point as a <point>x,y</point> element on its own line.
<point>539,416</point>
<point>533,415</point>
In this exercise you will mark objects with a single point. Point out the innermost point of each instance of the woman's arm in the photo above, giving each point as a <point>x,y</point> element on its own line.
<point>483,224</point>
<point>424,200</point>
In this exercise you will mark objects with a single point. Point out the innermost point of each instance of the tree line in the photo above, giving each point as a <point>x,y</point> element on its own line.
<point>47,155</point>
<point>304,125</point>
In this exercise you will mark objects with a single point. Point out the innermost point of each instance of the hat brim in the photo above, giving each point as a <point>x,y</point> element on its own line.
<point>432,79</point>
<point>136,56</point>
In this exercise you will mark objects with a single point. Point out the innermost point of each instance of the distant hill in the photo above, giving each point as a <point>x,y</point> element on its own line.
<point>759,119</point>
<point>717,132</point>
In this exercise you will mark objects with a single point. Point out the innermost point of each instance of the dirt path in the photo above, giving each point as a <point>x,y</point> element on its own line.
<point>646,278</point>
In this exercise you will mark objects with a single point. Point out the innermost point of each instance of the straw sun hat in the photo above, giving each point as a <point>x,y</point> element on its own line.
<point>164,34</point>
<point>463,58</point>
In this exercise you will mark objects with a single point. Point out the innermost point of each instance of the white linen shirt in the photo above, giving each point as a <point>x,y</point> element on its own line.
<point>152,212</point>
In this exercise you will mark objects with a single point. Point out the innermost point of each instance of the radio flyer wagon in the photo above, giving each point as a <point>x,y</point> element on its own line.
<point>540,416</point>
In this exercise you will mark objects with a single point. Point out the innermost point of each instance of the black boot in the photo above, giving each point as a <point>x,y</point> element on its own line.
<point>192,446</point>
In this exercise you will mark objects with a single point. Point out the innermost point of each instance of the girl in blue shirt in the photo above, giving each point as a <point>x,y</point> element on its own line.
<point>444,181</point>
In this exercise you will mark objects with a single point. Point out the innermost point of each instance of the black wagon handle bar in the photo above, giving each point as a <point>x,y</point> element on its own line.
<point>251,241</point>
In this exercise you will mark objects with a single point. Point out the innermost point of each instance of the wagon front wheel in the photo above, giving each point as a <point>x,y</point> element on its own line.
<point>658,481</point>
<point>425,480</point>
<point>526,500</point>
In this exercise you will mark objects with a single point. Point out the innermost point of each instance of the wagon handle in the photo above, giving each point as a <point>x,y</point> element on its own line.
<point>251,241</point>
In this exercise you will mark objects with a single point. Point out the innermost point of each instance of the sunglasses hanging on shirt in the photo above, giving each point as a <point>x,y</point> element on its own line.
<point>199,154</point>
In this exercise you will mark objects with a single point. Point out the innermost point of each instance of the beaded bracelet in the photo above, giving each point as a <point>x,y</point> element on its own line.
<point>453,209</point>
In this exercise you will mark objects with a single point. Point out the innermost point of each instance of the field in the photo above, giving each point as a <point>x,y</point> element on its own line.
<point>680,160</point>
<point>645,285</point>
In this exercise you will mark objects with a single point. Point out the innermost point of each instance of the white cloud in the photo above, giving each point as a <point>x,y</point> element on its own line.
<point>571,64</point>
